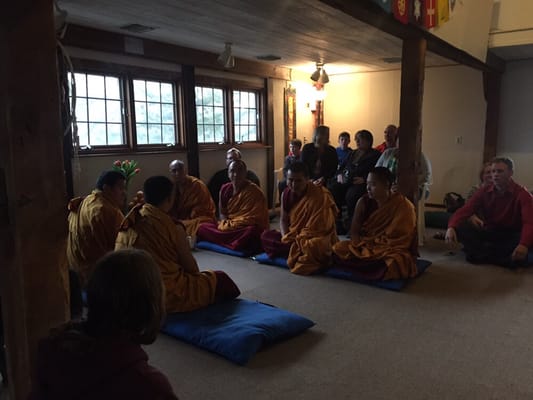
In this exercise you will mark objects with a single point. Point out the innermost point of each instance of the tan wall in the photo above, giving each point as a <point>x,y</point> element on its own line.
<point>512,23</point>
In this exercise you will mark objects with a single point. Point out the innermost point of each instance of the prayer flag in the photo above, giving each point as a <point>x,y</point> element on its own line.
<point>400,8</point>
<point>443,11</point>
<point>417,12</point>
<point>431,14</point>
<point>385,5</point>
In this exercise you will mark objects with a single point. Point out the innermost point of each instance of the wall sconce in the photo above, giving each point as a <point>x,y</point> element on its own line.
<point>225,58</point>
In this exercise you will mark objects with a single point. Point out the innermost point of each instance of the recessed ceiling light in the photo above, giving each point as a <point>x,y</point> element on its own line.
<point>137,28</point>
<point>268,57</point>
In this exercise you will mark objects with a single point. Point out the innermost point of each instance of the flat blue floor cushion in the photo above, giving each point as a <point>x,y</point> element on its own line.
<point>236,329</point>
<point>393,284</point>
<point>219,249</point>
<point>263,258</point>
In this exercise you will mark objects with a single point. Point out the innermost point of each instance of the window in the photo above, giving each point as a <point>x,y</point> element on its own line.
<point>155,105</point>
<point>227,115</point>
<point>99,110</point>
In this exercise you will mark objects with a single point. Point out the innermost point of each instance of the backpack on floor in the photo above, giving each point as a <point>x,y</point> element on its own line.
<point>453,201</point>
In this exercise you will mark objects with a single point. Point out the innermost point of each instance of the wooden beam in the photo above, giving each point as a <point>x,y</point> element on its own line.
<point>33,274</point>
<point>370,13</point>
<point>111,42</point>
<point>189,117</point>
<point>412,95</point>
<point>269,140</point>
<point>492,88</point>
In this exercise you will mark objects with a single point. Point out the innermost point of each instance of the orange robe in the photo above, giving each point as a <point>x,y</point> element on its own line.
<point>311,231</point>
<point>193,205</point>
<point>245,208</point>
<point>154,231</point>
<point>387,234</point>
<point>94,222</point>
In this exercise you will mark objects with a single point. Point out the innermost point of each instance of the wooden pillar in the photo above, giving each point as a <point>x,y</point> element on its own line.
<point>269,139</point>
<point>412,94</point>
<point>191,128</point>
<point>492,88</point>
<point>33,274</point>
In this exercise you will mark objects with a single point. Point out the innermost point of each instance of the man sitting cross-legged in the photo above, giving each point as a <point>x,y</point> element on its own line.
<point>150,228</point>
<point>243,214</point>
<point>382,232</point>
<point>307,224</point>
<point>192,201</point>
<point>503,232</point>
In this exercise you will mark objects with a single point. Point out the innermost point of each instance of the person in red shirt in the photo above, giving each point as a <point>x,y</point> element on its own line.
<point>504,234</point>
<point>391,138</point>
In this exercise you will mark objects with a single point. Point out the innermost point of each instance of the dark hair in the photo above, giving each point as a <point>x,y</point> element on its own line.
<point>345,135</point>
<point>296,142</point>
<point>298,167</point>
<point>109,178</point>
<point>157,189</point>
<point>383,175</point>
<point>125,296</point>
<point>366,135</point>
<point>239,162</point>
<point>507,161</point>
<point>321,129</point>
<point>236,151</point>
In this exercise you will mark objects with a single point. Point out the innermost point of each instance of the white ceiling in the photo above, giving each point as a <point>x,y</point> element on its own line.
<point>301,32</point>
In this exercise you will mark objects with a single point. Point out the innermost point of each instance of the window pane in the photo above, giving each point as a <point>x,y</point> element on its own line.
<point>83,134</point>
<point>140,111</point>
<point>208,115</point>
<point>252,117</point>
<point>199,115</point>
<point>236,98</point>
<point>209,133</point>
<point>139,90</point>
<point>96,110</point>
<point>154,134</point>
<point>219,116</point>
<point>95,86</point>
<point>154,112</point>
<point>207,96</point>
<point>245,114</point>
<point>244,117</point>
<point>201,138</point>
<point>112,88</point>
<point>142,134</point>
<point>167,95</point>
<point>114,113</point>
<point>198,94</point>
<point>244,99</point>
<point>114,134</point>
<point>81,109</point>
<point>169,134</point>
<point>167,111</point>
<point>97,134</point>
<point>81,84</point>
<point>238,134</point>
<point>252,133</point>
<point>236,117</point>
<point>218,98</point>
<point>219,133</point>
<point>152,91</point>
<point>251,100</point>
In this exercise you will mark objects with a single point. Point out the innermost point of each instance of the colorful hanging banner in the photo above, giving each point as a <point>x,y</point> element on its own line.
<point>385,4</point>
<point>430,14</point>
<point>417,14</point>
<point>443,11</point>
<point>400,8</point>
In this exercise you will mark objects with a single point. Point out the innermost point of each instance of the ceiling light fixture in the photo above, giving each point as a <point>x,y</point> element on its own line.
<point>225,58</point>
<point>320,76</point>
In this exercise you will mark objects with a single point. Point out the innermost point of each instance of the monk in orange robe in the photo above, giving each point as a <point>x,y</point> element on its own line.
<point>243,214</point>
<point>192,201</point>
<point>94,222</point>
<point>149,227</point>
<point>383,232</point>
<point>307,224</point>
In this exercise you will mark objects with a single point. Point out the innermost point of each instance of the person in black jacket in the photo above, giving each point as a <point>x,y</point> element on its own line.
<point>320,158</point>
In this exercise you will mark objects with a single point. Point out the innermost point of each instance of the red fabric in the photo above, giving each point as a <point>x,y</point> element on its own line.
<point>508,211</point>
<point>247,239</point>
<point>430,11</point>
<point>273,246</point>
<point>73,365</point>
<point>290,199</point>
<point>226,289</point>
<point>382,147</point>
<point>400,8</point>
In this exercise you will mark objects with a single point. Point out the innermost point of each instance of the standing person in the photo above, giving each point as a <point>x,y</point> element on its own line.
<point>192,202</point>
<point>295,151</point>
<point>391,138</point>
<point>94,222</point>
<point>102,357</point>
<point>343,149</point>
<point>320,158</point>
<point>503,232</point>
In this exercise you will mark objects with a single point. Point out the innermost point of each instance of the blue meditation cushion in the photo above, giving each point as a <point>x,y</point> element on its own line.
<point>263,258</point>
<point>219,249</point>
<point>236,329</point>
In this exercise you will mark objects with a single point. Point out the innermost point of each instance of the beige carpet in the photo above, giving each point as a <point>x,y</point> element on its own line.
<point>458,332</point>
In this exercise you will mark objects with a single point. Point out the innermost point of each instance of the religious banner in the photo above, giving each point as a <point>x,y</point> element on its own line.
<point>400,8</point>
<point>417,13</point>
<point>290,116</point>
<point>443,11</point>
<point>384,4</point>
<point>430,13</point>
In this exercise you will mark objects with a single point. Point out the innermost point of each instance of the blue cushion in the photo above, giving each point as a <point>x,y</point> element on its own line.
<point>393,284</point>
<point>219,249</point>
<point>263,258</point>
<point>235,329</point>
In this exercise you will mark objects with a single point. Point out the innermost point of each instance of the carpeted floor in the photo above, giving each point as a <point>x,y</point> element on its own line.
<point>458,332</point>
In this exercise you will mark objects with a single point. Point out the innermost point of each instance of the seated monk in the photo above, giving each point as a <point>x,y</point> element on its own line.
<point>150,228</point>
<point>307,224</point>
<point>243,214</point>
<point>382,232</point>
<point>192,201</point>
<point>94,222</point>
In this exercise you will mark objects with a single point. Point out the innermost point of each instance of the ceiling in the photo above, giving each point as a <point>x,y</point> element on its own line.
<point>301,32</point>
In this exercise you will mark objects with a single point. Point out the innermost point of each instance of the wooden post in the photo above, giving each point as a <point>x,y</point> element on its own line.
<point>33,274</point>
<point>191,128</point>
<point>269,140</point>
<point>412,94</point>
<point>492,88</point>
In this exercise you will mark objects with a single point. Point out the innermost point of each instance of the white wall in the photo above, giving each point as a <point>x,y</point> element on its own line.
<point>512,23</point>
<point>515,138</point>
